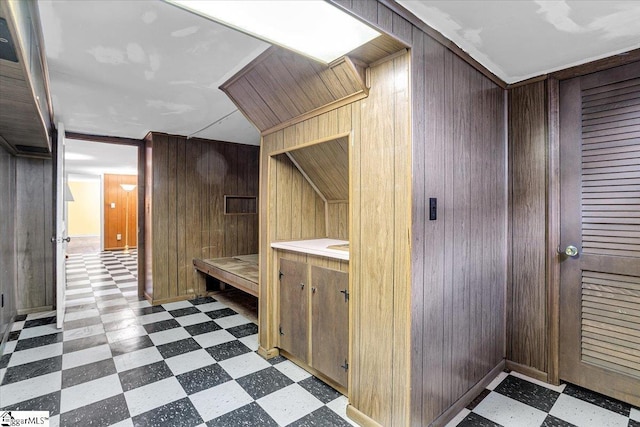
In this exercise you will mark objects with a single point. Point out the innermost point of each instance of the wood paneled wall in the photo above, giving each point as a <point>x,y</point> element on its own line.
<point>34,229</point>
<point>459,260</point>
<point>114,218</point>
<point>458,263</point>
<point>379,212</point>
<point>186,181</point>
<point>527,287</point>
<point>297,211</point>
<point>7,239</point>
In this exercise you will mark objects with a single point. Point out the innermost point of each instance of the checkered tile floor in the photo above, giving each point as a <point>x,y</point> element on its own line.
<point>516,400</point>
<point>119,361</point>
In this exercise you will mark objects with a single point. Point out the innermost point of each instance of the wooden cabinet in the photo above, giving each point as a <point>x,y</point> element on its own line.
<point>294,308</point>
<point>330,323</point>
<point>314,317</point>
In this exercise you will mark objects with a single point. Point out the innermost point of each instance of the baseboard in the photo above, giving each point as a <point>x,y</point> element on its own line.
<point>360,418</point>
<point>268,354</point>
<point>468,397</point>
<point>342,389</point>
<point>527,370</point>
<point>173,299</point>
<point>35,309</point>
<point>5,336</point>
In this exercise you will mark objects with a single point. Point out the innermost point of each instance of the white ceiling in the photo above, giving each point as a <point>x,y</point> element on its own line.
<point>96,158</point>
<point>124,68</point>
<point>520,39</point>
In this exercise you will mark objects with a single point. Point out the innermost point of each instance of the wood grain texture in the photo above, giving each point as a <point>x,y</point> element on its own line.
<point>458,285</point>
<point>379,192</point>
<point>528,139</point>
<point>25,120</point>
<point>8,255</point>
<point>34,226</point>
<point>330,323</point>
<point>280,86</point>
<point>186,181</point>
<point>114,218</point>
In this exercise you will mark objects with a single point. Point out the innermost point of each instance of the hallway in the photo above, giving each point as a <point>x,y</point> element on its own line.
<point>119,361</point>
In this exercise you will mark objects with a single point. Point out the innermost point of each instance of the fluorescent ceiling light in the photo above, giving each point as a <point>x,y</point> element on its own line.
<point>77,156</point>
<point>313,28</point>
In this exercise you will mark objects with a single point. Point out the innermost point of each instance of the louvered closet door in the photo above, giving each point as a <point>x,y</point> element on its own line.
<point>600,215</point>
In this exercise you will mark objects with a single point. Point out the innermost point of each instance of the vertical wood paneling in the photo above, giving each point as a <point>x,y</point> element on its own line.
<point>183,262</point>
<point>33,244</point>
<point>172,217</point>
<point>161,280</point>
<point>458,261</point>
<point>7,238</point>
<point>231,187</point>
<point>188,184</point>
<point>527,171</point>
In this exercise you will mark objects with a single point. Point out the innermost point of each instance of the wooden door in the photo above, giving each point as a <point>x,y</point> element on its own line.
<point>330,323</point>
<point>294,308</point>
<point>600,216</point>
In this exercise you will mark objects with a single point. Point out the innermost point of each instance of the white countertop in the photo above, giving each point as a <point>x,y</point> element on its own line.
<point>315,247</point>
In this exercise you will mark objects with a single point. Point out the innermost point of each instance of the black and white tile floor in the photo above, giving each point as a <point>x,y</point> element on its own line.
<point>519,401</point>
<point>119,361</point>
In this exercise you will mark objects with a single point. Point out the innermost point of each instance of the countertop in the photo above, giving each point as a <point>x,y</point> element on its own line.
<point>318,247</point>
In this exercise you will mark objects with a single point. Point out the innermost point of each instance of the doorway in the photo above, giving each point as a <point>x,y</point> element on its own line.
<point>600,232</point>
<point>100,198</point>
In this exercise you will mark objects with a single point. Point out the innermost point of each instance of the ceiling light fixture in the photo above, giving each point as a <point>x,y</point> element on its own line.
<point>312,28</point>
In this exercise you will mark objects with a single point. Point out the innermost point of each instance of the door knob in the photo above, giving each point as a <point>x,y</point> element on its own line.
<point>68,239</point>
<point>570,250</point>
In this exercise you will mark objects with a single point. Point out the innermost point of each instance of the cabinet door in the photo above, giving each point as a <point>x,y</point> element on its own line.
<point>294,308</point>
<point>330,323</point>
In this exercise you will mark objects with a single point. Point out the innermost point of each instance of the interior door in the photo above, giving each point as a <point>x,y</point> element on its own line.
<point>61,238</point>
<point>600,232</point>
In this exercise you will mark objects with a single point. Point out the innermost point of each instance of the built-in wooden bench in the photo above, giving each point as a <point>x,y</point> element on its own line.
<point>240,271</point>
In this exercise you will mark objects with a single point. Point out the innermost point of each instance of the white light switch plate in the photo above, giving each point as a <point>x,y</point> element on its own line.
<point>118,236</point>
<point>113,205</point>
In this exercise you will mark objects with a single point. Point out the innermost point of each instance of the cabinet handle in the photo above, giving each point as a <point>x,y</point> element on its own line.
<point>301,285</point>
<point>313,290</point>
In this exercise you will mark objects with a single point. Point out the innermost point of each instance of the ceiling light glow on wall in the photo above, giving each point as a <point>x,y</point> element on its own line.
<point>313,28</point>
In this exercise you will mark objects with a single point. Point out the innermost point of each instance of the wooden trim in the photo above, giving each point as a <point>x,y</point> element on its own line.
<point>305,176</point>
<point>10,149</point>
<point>390,57</point>
<point>527,81</point>
<point>313,371</point>
<point>142,153</point>
<point>598,65</point>
<point>527,370</point>
<point>173,299</point>
<point>268,354</point>
<point>106,139</point>
<point>310,143</point>
<point>318,111</point>
<point>434,34</point>
<point>553,231</point>
<point>22,311</point>
<point>35,15</point>
<point>360,418</point>
<point>468,397</point>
